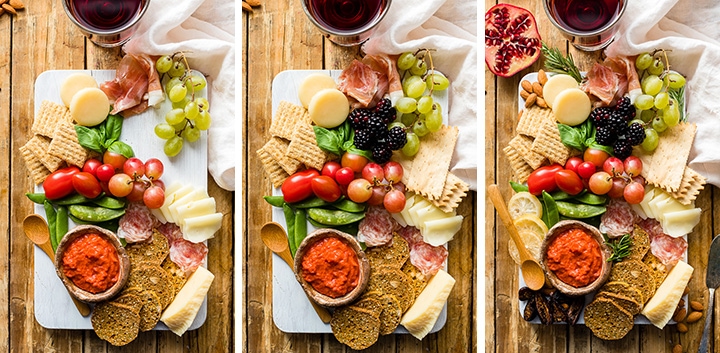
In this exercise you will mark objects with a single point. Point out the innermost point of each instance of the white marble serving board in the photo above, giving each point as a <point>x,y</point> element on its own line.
<point>292,311</point>
<point>53,307</point>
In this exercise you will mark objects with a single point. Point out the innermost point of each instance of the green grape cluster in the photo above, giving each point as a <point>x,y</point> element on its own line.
<point>189,114</point>
<point>658,106</point>
<point>418,110</point>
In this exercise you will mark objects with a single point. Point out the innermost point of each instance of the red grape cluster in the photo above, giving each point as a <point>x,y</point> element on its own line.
<point>133,179</point>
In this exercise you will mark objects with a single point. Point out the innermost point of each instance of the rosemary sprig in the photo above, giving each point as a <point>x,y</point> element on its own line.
<point>679,96</point>
<point>620,248</point>
<point>556,62</point>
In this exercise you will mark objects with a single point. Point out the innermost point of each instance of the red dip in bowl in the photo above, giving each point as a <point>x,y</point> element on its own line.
<point>575,257</point>
<point>331,267</point>
<point>91,263</point>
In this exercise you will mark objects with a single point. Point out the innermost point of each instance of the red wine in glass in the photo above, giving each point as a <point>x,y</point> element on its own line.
<point>346,15</point>
<point>585,15</point>
<point>105,15</point>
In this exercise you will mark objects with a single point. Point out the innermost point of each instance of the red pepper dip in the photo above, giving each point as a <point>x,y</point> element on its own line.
<point>331,267</point>
<point>575,257</point>
<point>91,263</point>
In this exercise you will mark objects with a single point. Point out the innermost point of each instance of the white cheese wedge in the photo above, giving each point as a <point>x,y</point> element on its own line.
<point>180,314</point>
<point>195,195</point>
<point>171,197</point>
<point>312,84</point>
<point>195,208</point>
<point>555,85</point>
<point>653,204</point>
<point>639,210</point>
<point>672,205</point>
<point>404,214</point>
<point>423,314</point>
<point>679,223</point>
<point>89,106</point>
<point>649,194</point>
<point>328,108</point>
<point>201,228</point>
<point>413,211</point>
<point>572,107</point>
<point>159,215</point>
<point>662,305</point>
<point>440,231</point>
<point>73,84</point>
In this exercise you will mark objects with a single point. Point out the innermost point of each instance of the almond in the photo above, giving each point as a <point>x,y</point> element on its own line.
<point>694,316</point>
<point>3,1</point>
<point>530,100</point>
<point>9,9</point>
<point>681,303</point>
<point>246,7</point>
<point>677,349</point>
<point>696,305</point>
<point>537,89</point>
<point>682,328</point>
<point>253,2</point>
<point>525,84</point>
<point>542,77</point>
<point>2,11</point>
<point>16,4</point>
<point>686,291</point>
<point>541,102</point>
<point>524,94</point>
<point>680,315</point>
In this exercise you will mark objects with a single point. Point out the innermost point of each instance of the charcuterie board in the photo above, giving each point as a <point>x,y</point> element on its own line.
<point>52,304</point>
<point>292,311</point>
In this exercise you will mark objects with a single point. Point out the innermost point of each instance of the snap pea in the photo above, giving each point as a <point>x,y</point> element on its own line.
<point>517,187</point>
<point>94,214</point>
<point>300,229</point>
<point>550,216</point>
<point>351,228</point>
<point>560,195</point>
<point>591,199</point>
<point>51,217</point>
<point>348,205</point>
<point>276,201</point>
<point>334,217</point>
<point>109,202</point>
<point>290,223</point>
<point>61,223</point>
<point>38,197</point>
<point>579,210</point>
<point>310,203</point>
<point>75,199</point>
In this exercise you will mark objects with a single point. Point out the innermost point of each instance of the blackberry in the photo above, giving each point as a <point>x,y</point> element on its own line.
<point>617,123</point>
<point>359,118</point>
<point>605,136</point>
<point>363,139</point>
<point>396,138</point>
<point>622,149</point>
<point>600,116</point>
<point>381,153</point>
<point>625,108</point>
<point>385,110</point>
<point>635,134</point>
<point>377,126</point>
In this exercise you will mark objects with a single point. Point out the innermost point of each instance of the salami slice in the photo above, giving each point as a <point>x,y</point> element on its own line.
<point>136,224</point>
<point>618,219</point>
<point>666,248</point>
<point>427,258</point>
<point>187,255</point>
<point>171,231</point>
<point>377,227</point>
<point>411,235</point>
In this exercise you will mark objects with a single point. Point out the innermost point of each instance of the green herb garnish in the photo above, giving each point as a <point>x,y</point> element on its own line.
<point>556,62</point>
<point>679,96</point>
<point>620,248</point>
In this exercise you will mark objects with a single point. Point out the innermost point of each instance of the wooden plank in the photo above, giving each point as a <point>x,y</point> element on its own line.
<point>6,153</point>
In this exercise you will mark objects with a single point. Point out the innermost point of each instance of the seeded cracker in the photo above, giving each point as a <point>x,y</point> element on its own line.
<point>65,145</point>
<point>287,117</point>
<point>274,171</point>
<point>303,147</point>
<point>115,323</point>
<point>49,117</point>
<point>521,170</point>
<point>151,310</point>
<point>532,120</point>
<point>549,144</point>
<point>607,320</point>
<point>394,254</point>
<point>431,163</point>
<point>38,172</point>
<point>523,145</point>
<point>636,274</point>
<point>625,302</point>
<point>39,146</point>
<point>640,244</point>
<point>152,251</point>
<point>154,278</point>
<point>657,268</point>
<point>357,328</point>
<point>690,186</point>
<point>392,281</point>
<point>624,289</point>
<point>665,167</point>
<point>277,148</point>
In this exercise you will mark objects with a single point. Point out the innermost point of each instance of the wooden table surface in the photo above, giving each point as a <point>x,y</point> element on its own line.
<point>277,36</point>
<point>506,331</point>
<point>41,38</point>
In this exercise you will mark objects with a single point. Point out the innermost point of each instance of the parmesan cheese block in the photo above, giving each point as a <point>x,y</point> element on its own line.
<point>75,83</point>
<point>329,108</point>
<point>421,316</point>
<point>180,314</point>
<point>662,305</point>
<point>89,106</point>
<point>572,107</point>
<point>314,84</point>
<point>555,85</point>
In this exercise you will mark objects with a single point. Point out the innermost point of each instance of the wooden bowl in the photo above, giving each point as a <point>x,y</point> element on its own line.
<point>363,262</point>
<point>605,253</point>
<point>76,291</point>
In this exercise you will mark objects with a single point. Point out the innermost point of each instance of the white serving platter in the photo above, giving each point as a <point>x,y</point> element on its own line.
<point>53,307</point>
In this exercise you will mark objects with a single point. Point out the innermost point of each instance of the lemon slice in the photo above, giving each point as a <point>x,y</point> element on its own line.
<point>532,241</point>
<point>533,223</point>
<point>524,203</point>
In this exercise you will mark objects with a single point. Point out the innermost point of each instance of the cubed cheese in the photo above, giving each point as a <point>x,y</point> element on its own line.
<point>180,314</point>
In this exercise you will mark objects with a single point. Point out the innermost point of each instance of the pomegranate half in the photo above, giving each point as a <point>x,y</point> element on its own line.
<point>512,42</point>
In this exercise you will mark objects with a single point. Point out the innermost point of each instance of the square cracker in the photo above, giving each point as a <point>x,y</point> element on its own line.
<point>453,192</point>
<point>667,163</point>
<point>523,145</point>
<point>532,120</point>
<point>431,163</point>
<point>39,145</point>
<point>690,186</point>
<point>521,170</point>
<point>273,169</point>
<point>277,148</point>
<point>48,117</point>
<point>65,145</point>
<point>287,117</point>
<point>37,170</point>
<point>303,147</point>
<point>549,144</point>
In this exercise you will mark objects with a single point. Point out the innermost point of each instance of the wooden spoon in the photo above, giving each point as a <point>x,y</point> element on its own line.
<point>36,229</point>
<point>274,237</point>
<point>532,272</point>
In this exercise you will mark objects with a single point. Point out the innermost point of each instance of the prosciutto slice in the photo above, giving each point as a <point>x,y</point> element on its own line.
<point>187,255</point>
<point>135,87</point>
<point>609,81</point>
<point>136,225</point>
<point>666,248</point>
<point>386,64</point>
<point>362,83</point>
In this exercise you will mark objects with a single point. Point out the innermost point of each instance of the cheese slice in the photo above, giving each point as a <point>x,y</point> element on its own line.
<point>159,215</point>
<point>662,305</point>
<point>649,194</point>
<point>413,211</point>
<point>312,84</point>
<point>404,214</point>
<point>201,228</point>
<point>679,223</point>
<point>440,231</point>
<point>73,84</point>
<point>329,108</point>
<point>555,85</point>
<point>657,200</point>
<point>423,314</point>
<point>194,195</point>
<point>671,205</point>
<point>89,106</point>
<point>196,208</point>
<point>180,314</point>
<point>171,197</point>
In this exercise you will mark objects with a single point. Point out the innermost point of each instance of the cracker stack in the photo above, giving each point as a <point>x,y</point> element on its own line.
<point>54,143</point>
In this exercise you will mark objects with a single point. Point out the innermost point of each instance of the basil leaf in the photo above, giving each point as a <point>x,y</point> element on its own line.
<point>89,138</point>
<point>347,145</point>
<point>113,127</point>
<point>596,146</point>
<point>355,150</point>
<point>571,137</point>
<point>328,140</point>
<point>122,148</point>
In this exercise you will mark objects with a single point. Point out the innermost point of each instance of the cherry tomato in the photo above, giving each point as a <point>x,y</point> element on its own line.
<point>105,172</point>
<point>573,163</point>
<point>297,187</point>
<point>330,168</point>
<point>91,165</point>
<point>569,181</point>
<point>86,184</point>
<point>325,188</point>
<point>114,159</point>
<point>543,179</point>
<point>585,170</point>
<point>344,176</point>
<point>356,162</point>
<point>59,184</point>
<point>596,157</point>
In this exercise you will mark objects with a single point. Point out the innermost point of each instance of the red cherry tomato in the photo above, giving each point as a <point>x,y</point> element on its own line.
<point>586,169</point>
<point>573,163</point>
<point>114,159</point>
<point>297,187</point>
<point>330,168</point>
<point>105,172</point>
<point>91,165</point>
<point>569,181</point>
<point>543,179</point>
<point>59,183</point>
<point>596,157</point>
<point>344,176</point>
<point>86,184</point>
<point>325,188</point>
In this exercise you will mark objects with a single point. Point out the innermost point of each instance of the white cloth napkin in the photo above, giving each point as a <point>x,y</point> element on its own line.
<point>690,29</point>
<point>450,26</point>
<point>205,31</point>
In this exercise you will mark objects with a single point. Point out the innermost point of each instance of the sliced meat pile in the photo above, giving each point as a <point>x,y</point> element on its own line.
<point>366,81</point>
<point>137,224</point>
<point>377,227</point>
<point>618,219</point>
<point>135,87</point>
<point>427,258</point>
<point>666,248</point>
<point>187,255</point>
<point>607,82</point>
